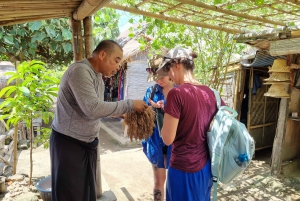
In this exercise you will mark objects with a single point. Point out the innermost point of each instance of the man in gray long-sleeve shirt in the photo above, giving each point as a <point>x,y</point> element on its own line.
<point>80,104</point>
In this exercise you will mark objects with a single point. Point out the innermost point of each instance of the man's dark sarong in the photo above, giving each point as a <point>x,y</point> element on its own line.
<point>73,168</point>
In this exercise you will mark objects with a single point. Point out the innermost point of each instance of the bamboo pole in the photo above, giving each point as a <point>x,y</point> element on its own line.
<point>40,11</point>
<point>172,19</point>
<point>88,36</point>
<point>31,133</point>
<point>229,12</point>
<point>87,7</point>
<point>262,125</point>
<point>228,60</point>
<point>236,100</point>
<point>22,3</point>
<point>99,6</point>
<point>29,19</point>
<point>77,39</point>
<point>36,1</point>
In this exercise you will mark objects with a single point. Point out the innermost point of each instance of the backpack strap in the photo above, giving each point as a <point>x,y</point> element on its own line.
<point>218,98</point>
<point>153,91</point>
<point>215,179</point>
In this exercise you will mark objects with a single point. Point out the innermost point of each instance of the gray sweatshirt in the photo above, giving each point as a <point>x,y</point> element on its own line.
<point>80,103</point>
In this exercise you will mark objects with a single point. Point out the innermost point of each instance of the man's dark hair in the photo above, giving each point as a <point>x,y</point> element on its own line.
<point>107,45</point>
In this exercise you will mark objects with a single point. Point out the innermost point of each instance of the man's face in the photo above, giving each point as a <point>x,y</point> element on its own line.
<point>111,62</point>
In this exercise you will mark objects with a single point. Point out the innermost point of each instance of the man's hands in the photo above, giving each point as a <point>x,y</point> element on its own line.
<point>139,105</point>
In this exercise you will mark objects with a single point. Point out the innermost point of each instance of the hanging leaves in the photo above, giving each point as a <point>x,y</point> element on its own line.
<point>41,39</point>
<point>34,26</point>
<point>105,24</point>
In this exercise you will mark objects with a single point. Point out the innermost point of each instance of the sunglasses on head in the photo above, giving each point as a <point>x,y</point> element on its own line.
<point>151,70</point>
<point>167,58</point>
<point>169,64</point>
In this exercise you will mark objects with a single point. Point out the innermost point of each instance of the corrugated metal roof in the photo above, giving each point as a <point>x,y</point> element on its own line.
<point>262,59</point>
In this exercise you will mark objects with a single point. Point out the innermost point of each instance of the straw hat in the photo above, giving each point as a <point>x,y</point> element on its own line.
<point>277,90</point>
<point>279,66</point>
<point>154,63</point>
<point>279,77</point>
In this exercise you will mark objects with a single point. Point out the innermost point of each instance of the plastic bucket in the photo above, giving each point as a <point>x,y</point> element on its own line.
<point>44,187</point>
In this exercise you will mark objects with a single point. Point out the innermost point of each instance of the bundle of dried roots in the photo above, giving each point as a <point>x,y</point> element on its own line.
<point>140,124</point>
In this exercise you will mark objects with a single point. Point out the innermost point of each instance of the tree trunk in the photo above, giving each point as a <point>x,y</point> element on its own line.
<point>31,140</point>
<point>15,148</point>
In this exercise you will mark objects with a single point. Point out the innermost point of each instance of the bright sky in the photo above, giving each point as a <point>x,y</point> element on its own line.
<point>125,17</point>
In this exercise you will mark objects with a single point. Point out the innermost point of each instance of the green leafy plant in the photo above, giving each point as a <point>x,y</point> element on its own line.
<point>48,40</point>
<point>214,48</point>
<point>51,40</point>
<point>105,24</point>
<point>30,98</point>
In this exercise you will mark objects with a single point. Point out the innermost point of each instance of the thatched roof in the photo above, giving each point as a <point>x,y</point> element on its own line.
<point>21,11</point>
<point>130,45</point>
<point>234,16</point>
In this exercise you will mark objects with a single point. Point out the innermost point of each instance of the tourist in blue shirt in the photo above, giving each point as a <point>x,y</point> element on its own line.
<point>154,148</point>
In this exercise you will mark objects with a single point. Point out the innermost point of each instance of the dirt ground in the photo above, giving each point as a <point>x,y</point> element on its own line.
<point>129,175</point>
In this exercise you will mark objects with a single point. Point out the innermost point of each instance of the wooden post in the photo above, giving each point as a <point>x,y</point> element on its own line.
<point>88,33</point>
<point>249,99</point>
<point>241,90</point>
<point>88,36</point>
<point>236,90</point>
<point>279,137</point>
<point>77,39</point>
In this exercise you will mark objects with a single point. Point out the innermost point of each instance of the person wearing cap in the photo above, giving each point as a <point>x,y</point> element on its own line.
<point>189,111</point>
<point>154,148</point>
<point>76,124</point>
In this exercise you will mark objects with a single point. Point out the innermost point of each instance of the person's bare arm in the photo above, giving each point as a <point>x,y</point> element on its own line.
<point>168,131</point>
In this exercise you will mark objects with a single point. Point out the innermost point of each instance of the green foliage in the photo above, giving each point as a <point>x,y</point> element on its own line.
<point>32,95</point>
<point>51,40</point>
<point>259,2</point>
<point>105,24</point>
<point>48,40</point>
<point>214,48</point>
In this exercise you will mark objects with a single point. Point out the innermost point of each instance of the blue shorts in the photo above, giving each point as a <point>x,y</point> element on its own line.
<point>183,186</point>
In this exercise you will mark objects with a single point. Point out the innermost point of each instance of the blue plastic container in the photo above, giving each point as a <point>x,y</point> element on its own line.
<point>44,187</point>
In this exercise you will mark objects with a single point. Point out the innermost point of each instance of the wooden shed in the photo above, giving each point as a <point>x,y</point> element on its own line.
<point>268,119</point>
